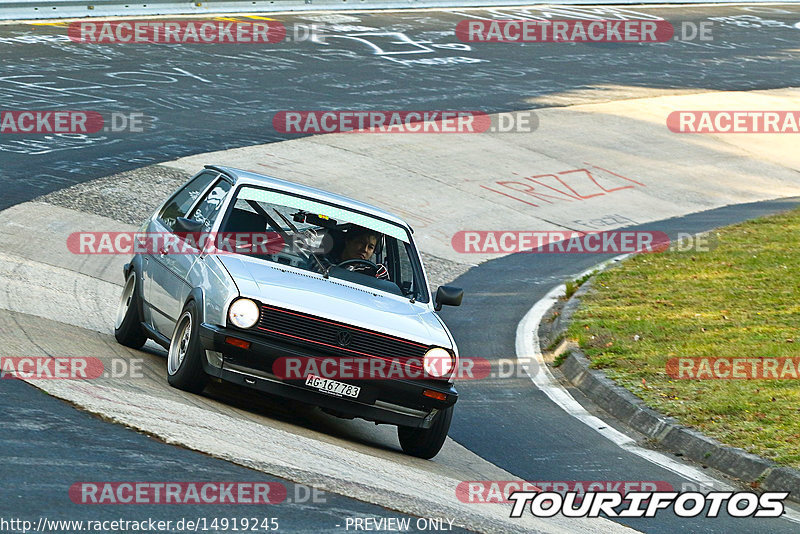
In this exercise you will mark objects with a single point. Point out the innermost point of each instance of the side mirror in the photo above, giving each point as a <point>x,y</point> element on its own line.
<point>187,226</point>
<point>448,296</point>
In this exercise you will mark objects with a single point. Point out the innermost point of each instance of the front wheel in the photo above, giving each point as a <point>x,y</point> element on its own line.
<point>128,327</point>
<point>184,360</point>
<point>426,442</point>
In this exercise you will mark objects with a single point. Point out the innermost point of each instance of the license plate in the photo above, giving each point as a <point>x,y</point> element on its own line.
<point>332,387</point>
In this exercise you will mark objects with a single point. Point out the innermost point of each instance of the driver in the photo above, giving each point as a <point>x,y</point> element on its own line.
<point>360,244</point>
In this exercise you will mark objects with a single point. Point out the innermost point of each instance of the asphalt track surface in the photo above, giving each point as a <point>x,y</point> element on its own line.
<point>215,97</point>
<point>35,467</point>
<point>212,97</point>
<point>514,425</point>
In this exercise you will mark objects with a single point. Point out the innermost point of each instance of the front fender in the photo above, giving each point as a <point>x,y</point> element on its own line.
<point>213,289</point>
<point>196,294</point>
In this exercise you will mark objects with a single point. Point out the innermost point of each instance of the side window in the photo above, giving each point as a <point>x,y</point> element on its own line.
<point>181,201</point>
<point>208,209</point>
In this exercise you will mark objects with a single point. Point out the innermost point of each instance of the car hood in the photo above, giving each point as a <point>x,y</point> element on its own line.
<point>336,300</point>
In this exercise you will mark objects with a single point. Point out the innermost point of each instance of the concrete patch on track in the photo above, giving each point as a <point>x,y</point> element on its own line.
<point>41,277</point>
<point>56,293</point>
<point>619,158</point>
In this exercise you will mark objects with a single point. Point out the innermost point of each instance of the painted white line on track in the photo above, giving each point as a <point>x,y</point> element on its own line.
<point>529,356</point>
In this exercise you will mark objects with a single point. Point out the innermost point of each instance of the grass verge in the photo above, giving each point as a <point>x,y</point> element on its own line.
<point>741,299</point>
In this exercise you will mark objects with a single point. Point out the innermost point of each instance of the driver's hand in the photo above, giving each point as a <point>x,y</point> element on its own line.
<point>382,272</point>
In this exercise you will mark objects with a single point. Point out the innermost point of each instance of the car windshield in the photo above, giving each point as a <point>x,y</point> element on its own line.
<point>327,239</point>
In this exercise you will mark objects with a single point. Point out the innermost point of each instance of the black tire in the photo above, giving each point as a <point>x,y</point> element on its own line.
<point>426,442</point>
<point>186,372</point>
<point>128,328</point>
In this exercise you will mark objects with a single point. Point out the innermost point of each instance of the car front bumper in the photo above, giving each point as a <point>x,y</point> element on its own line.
<point>392,401</point>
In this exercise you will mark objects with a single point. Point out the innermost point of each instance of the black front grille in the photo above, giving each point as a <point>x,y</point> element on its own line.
<point>332,336</point>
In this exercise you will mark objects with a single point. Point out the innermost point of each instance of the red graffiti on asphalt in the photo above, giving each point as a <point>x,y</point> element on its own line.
<point>568,186</point>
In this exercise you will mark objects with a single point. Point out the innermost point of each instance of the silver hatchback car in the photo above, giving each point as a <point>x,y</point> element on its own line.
<point>295,292</point>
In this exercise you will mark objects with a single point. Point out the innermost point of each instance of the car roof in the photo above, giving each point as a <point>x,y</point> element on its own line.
<point>248,177</point>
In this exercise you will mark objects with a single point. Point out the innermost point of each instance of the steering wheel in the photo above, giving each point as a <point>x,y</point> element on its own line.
<point>372,269</point>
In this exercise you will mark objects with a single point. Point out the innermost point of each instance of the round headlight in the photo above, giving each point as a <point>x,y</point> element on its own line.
<point>438,362</point>
<point>243,313</point>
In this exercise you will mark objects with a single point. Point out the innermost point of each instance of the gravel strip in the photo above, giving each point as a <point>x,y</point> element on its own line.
<point>441,271</point>
<point>129,197</point>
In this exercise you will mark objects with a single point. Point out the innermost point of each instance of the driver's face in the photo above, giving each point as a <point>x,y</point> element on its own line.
<point>359,248</point>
